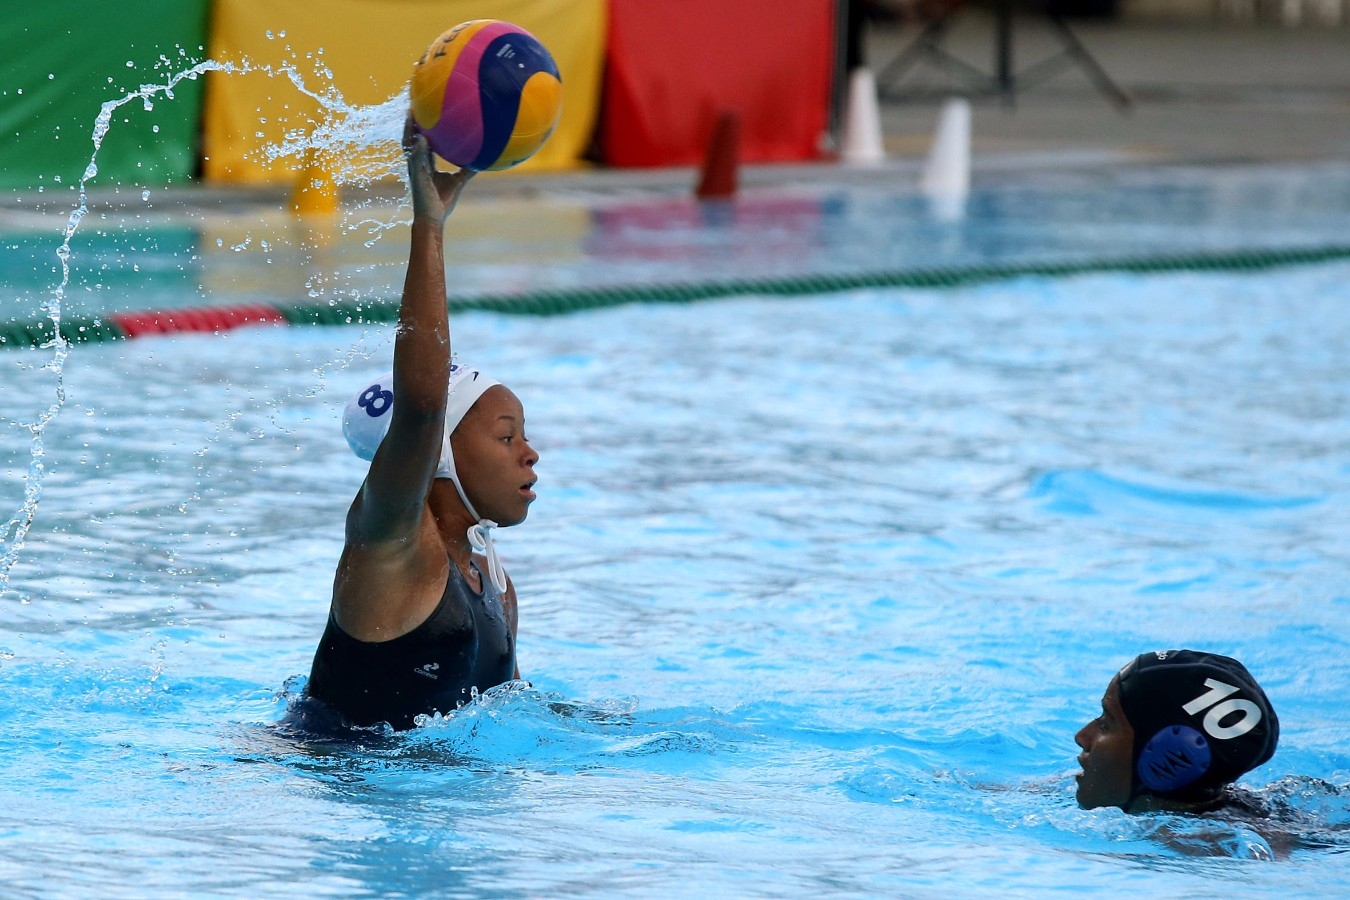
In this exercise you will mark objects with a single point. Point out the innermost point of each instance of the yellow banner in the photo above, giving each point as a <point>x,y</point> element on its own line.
<point>356,57</point>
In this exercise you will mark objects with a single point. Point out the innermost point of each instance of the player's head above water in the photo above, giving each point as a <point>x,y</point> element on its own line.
<point>1176,727</point>
<point>469,461</point>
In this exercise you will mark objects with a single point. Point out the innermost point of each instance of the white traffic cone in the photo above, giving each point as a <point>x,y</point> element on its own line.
<point>862,144</point>
<point>946,175</point>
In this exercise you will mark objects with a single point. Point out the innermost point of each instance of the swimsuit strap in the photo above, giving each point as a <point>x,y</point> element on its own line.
<point>480,538</point>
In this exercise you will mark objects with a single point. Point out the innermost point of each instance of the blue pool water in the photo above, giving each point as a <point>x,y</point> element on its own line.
<point>816,593</point>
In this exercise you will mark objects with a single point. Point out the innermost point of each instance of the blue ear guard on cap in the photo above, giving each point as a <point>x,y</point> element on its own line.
<point>1173,758</point>
<point>1200,721</point>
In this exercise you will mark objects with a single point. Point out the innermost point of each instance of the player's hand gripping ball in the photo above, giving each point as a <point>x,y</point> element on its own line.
<point>486,94</point>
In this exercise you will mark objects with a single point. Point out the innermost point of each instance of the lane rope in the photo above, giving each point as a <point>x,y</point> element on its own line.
<point>560,301</point>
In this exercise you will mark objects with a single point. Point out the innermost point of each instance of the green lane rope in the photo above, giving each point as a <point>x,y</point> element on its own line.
<point>559,301</point>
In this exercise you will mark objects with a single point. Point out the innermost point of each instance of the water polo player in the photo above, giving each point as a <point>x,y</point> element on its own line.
<point>422,612</point>
<point>1177,728</point>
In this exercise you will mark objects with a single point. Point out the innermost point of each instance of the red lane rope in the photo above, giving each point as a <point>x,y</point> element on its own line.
<point>211,318</point>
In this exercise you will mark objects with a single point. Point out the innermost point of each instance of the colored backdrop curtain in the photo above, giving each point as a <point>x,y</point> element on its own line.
<point>369,46</point>
<point>59,63</point>
<point>674,65</point>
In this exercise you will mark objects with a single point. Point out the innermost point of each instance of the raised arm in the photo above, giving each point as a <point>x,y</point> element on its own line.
<point>391,502</point>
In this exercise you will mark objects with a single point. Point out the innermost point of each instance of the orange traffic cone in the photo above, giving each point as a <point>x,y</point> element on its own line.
<point>718,178</point>
<point>315,190</point>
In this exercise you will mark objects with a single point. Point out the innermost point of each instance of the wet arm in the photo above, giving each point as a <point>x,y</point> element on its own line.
<point>391,502</point>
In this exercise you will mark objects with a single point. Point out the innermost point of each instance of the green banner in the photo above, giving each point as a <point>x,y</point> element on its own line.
<point>60,62</point>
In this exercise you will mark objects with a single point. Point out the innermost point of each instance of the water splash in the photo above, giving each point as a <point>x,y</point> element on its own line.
<point>347,134</point>
<point>15,531</point>
<point>361,144</point>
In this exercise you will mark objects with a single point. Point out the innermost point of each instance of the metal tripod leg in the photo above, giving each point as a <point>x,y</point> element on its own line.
<point>927,47</point>
<point>1088,63</point>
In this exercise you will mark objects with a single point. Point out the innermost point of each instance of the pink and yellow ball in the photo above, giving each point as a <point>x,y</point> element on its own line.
<point>486,94</point>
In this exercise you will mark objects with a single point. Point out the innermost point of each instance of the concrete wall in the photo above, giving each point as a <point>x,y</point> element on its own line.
<point>1168,9</point>
<point>1291,13</point>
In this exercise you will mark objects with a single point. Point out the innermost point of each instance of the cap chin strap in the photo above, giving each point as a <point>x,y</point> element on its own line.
<point>480,538</point>
<point>365,422</point>
<point>480,533</point>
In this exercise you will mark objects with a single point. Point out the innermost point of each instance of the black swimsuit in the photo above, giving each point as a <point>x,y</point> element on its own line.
<point>465,643</point>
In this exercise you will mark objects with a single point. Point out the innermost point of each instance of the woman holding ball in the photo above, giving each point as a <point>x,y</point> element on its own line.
<point>423,615</point>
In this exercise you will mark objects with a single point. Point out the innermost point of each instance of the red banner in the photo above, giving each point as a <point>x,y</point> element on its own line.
<point>675,65</point>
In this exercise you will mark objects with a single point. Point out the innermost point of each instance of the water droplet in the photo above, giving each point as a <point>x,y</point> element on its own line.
<point>155,129</point>
<point>145,195</point>
<point>51,76</point>
<point>130,64</point>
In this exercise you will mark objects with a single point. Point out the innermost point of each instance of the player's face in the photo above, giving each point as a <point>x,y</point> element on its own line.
<point>493,458</point>
<point>1108,750</point>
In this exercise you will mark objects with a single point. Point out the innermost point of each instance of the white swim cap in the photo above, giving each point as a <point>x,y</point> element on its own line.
<point>365,421</point>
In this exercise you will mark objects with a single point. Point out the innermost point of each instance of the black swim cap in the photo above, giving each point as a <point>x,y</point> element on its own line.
<point>1200,721</point>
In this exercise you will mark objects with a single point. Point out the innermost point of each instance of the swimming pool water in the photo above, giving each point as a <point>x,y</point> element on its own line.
<point>816,593</point>
<point>174,251</point>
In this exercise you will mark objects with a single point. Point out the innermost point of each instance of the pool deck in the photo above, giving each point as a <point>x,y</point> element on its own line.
<point>1213,97</point>
<point>1202,94</point>
<point>1210,95</point>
